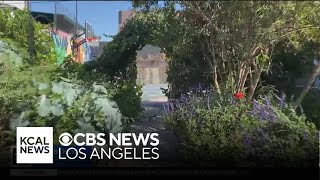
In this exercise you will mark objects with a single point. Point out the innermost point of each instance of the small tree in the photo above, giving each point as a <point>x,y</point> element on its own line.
<point>239,37</point>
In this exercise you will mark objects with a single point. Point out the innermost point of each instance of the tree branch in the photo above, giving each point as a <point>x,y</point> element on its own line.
<point>307,87</point>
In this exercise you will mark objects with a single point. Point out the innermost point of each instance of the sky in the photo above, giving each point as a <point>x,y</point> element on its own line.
<point>101,15</point>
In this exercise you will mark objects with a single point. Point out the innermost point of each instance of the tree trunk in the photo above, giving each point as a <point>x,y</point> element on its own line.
<point>307,87</point>
<point>244,79</point>
<point>255,80</point>
<point>215,80</point>
<point>241,74</point>
<point>31,42</point>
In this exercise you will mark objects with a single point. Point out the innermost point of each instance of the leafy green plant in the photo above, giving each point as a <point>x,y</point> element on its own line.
<point>128,98</point>
<point>68,107</point>
<point>290,64</point>
<point>63,109</point>
<point>17,75</point>
<point>15,29</point>
<point>123,90</point>
<point>16,82</point>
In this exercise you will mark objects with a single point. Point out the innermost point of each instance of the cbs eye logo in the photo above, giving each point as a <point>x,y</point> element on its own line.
<point>65,139</point>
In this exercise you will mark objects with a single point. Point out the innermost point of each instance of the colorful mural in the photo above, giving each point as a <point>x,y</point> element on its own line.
<point>62,42</point>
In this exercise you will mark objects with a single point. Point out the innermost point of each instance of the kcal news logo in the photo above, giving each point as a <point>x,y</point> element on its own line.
<point>34,145</point>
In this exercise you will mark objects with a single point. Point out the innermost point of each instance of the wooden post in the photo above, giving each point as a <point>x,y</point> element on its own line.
<point>30,34</point>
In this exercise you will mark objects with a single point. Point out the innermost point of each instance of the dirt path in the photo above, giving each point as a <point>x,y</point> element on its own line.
<point>152,122</point>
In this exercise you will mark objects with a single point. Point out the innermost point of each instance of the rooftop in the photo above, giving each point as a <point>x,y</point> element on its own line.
<point>7,6</point>
<point>48,18</point>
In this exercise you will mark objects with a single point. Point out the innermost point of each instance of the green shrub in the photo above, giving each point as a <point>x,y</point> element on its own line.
<point>128,98</point>
<point>16,83</point>
<point>69,107</point>
<point>124,91</point>
<point>228,131</point>
<point>122,87</point>
<point>20,98</point>
<point>15,29</point>
<point>16,76</point>
<point>20,93</point>
<point>311,106</point>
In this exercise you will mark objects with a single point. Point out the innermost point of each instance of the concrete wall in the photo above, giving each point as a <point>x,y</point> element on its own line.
<point>151,72</point>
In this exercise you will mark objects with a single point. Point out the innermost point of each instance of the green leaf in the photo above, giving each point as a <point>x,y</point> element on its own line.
<point>111,114</point>
<point>43,86</point>
<point>57,110</point>
<point>99,88</point>
<point>57,88</point>
<point>99,124</point>
<point>44,107</point>
<point>70,95</point>
<point>85,128</point>
<point>18,122</point>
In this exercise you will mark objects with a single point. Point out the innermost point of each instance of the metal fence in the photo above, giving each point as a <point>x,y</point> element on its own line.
<point>62,15</point>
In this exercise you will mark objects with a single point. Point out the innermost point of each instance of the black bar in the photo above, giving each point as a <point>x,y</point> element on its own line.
<point>248,173</point>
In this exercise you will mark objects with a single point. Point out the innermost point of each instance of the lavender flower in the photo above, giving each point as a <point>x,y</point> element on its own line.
<point>263,111</point>
<point>254,111</point>
<point>165,109</point>
<point>178,105</point>
<point>267,101</point>
<point>283,100</point>
<point>183,98</point>
<point>171,107</point>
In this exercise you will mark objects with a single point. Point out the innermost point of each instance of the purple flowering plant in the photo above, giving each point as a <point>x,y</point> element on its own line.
<point>217,126</point>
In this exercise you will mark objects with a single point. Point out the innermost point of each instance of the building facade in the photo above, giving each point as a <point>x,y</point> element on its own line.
<point>62,29</point>
<point>14,4</point>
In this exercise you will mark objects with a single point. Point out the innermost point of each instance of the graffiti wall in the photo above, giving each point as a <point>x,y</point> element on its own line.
<point>62,42</point>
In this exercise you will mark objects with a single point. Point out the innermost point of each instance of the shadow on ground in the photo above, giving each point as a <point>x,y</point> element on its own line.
<point>152,122</point>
